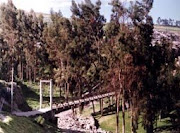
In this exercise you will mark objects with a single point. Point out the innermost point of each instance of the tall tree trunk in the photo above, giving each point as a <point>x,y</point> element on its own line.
<point>123,99</point>
<point>131,124</point>
<point>133,128</point>
<point>60,92</point>
<point>117,113</point>
<point>27,72</point>
<point>34,76</point>
<point>12,89</point>
<point>160,115</point>
<point>102,107</point>
<point>93,107</point>
<point>20,67</point>
<point>34,68</point>
<point>66,92</point>
<point>80,96</point>
<point>72,107</point>
<point>123,114</point>
<point>149,128</point>
<point>22,71</point>
<point>109,103</point>
<point>30,74</point>
<point>150,116</point>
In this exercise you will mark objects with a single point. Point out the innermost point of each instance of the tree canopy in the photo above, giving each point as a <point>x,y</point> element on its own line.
<point>85,54</point>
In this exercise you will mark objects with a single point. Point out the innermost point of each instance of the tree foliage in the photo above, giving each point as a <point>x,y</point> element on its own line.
<point>85,54</point>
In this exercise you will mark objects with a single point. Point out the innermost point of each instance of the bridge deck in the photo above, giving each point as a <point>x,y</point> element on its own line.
<point>63,105</point>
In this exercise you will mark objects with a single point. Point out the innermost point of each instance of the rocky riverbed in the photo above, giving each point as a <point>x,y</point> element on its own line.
<point>75,123</point>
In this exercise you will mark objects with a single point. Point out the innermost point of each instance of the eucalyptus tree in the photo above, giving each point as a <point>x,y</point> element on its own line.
<point>167,81</point>
<point>34,43</point>
<point>120,37</point>
<point>8,24</point>
<point>150,57</point>
<point>58,36</point>
<point>22,33</point>
<point>142,70</point>
<point>4,57</point>
<point>132,44</point>
<point>87,25</point>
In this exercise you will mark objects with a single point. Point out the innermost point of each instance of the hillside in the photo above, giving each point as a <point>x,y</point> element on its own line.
<point>5,95</point>
<point>13,124</point>
<point>171,29</point>
<point>170,33</point>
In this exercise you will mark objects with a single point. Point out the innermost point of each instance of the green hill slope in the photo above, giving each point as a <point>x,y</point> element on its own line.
<point>13,124</point>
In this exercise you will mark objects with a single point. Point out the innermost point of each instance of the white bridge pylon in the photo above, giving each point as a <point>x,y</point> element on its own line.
<point>50,90</point>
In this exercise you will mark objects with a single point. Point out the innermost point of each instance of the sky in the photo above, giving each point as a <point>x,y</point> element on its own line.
<point>161,8</point>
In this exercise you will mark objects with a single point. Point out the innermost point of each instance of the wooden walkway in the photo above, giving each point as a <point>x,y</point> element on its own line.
<point>63,105</point>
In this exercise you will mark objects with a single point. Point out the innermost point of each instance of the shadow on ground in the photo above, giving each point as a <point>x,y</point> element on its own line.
<point>175,128</point>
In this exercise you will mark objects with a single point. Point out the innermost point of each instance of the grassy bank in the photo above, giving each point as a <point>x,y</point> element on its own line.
<point>108,120</point>
<point>108,123</point>
<point>13,124</point>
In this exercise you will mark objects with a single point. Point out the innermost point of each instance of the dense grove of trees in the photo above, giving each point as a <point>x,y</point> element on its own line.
<point>22,46</point>
<point>85,51</point>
